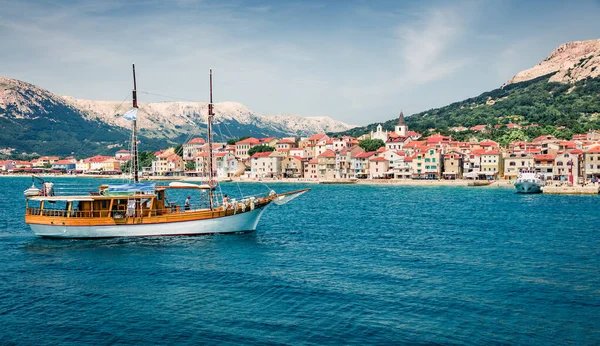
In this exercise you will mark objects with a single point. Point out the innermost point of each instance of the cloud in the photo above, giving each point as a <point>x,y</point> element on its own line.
<point>426,44</point>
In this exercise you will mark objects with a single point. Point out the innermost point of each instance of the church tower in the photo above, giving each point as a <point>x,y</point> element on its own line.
<point>401,129</point>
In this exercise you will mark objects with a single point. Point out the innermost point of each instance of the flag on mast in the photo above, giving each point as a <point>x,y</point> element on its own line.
<point>131,114</point>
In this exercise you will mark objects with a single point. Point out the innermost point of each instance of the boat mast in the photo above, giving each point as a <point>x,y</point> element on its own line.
<point>209,140</point>
<point>134,166</point>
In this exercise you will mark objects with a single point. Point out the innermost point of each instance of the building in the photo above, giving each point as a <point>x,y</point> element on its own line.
<point>293,166</point>
<point>515,162</point>
<point>192,148</point>
<point>242,147</point>
<point>66,165</point>
<point>567,166</point>
<point>379,168</point>
<point>266,165</point>
<point>326,165</point>
<point>426,164</point>
<point>492,164</point>
<point>167,162</point>
<point>453,165</point>
<point>544,165</point>
<point>401,129</point>
<point>343,161</point>
<point>310,169</point>
<point>591,163</point>
<point>360,164</point>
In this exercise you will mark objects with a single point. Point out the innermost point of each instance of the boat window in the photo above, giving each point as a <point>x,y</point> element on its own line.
<point>104,205</point>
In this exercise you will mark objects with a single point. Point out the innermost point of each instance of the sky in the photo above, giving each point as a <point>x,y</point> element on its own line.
<point>353,60</point>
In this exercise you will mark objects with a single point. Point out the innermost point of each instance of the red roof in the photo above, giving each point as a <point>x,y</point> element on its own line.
<point>492,152</point>
<point>381,150</point>
<point>286,141</point>
<point>544,157</point>
<point>488,144</point>
<point>313,161</point>
<point>478,127</point>
<point>595,149</point>
<point>576,151</point>
<point>299,158</point>
<point>380,159</point>
<point>364,155</point>
<point>250,140</point>
<point>413,134</point>
<point>263,154</point>
<point>202,154</point>
<point>123,151</point>
<point>268,139</point>
<point>543,138</point>
<point>196,141</point>
<point>316,137</point>
<point>401,153</point>
<point>328,153</point>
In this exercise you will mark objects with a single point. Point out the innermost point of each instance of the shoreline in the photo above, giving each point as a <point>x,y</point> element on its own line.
<point>552,189</point>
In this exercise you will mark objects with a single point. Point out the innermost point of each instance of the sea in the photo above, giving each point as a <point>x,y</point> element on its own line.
<point>341,264</point>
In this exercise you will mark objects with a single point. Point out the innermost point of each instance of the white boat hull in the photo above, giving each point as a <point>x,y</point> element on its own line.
<point>244,222</point>
<point>528,187</point>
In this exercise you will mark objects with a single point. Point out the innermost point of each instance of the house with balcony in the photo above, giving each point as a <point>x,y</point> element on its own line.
<point>360,164</point>
<point>427,164</point>
<point>192,148</point>
<point>293,166</point>
<point>379,168</point>
<point>492,164</point>
<point>310,169</point>
<point>544,165</point>
<point>242,147</point>
<point>567,166</point>
<point>326,165</point>
<point>266,165</point>
<point>515,162</point>
<point>591,163</point>
<point>453,165</point>
<point>343,161</point>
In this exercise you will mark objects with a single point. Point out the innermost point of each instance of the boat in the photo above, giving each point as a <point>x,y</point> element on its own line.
<point>529,181</point>
<point>142,209</point>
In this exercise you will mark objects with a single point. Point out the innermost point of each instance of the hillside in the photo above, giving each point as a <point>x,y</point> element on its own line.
<point>35,120</point>
<point>567,103</point>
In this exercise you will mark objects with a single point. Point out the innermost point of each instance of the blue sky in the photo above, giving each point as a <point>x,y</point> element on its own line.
<point>356,61</point>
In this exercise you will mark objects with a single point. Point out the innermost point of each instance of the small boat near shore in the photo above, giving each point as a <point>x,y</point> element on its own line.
<point>529,181</point>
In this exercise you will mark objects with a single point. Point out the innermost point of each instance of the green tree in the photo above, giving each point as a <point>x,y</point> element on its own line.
<point>179,150</point>
<point>260,149</point>
<point>371,144</point>
<point>190,166</point>
<point>231,141</point>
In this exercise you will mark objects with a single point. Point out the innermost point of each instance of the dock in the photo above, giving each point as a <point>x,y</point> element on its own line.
<point>571,190</point>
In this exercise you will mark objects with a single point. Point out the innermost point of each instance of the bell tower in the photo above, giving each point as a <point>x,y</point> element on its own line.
<point>401,129</point>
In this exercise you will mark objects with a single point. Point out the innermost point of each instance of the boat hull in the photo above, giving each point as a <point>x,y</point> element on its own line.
<point>528,187</point>
<point>243,222</point>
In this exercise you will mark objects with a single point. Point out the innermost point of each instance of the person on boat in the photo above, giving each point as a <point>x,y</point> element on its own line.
<point>225,202</point>
<point>187,203</point>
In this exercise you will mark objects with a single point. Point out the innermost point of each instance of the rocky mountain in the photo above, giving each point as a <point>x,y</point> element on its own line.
<point>171,120</point>
<point>569,63</point>
<point>562,94</point>
<point>36,120</point>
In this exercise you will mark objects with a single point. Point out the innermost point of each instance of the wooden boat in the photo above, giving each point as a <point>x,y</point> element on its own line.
<point>143,209</point>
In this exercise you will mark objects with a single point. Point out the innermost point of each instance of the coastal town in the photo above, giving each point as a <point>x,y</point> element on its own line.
<point>404,155</point>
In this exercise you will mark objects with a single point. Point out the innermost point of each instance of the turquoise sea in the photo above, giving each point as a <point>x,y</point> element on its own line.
<point>339,265</point>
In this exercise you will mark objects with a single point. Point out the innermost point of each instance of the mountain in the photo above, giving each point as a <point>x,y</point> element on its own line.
<point>561,91</point>
<point>569,63</point>
<point>34,120</point>
<point>173,120</point>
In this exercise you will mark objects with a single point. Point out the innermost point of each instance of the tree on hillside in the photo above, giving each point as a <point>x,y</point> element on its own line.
<point>260,149</point>
<point>371,144</point>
